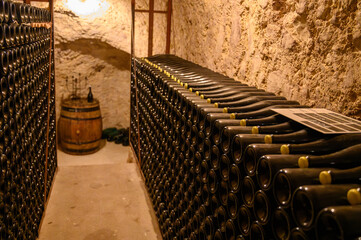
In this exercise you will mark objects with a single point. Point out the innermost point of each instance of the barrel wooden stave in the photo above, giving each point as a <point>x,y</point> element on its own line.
<point>80,126</point>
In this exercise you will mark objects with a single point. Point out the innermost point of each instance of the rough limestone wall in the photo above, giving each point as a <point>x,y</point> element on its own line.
<point>305,50</point>
<point>98,47</point>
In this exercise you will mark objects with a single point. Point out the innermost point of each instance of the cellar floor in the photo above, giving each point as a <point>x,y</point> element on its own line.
<point>99,197</point>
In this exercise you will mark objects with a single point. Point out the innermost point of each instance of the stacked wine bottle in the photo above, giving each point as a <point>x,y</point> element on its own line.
<point>218,163</point>
<point>25,173</point>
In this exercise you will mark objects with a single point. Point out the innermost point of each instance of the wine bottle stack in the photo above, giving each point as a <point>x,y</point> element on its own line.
<point>218,163</point>
<point>25,173</point>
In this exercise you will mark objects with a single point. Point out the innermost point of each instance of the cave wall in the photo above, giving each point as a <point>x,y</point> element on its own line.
<point>97,45</point>
<point>308,51</point>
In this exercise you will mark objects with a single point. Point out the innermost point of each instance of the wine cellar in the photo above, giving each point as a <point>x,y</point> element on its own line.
<point>180,119</point>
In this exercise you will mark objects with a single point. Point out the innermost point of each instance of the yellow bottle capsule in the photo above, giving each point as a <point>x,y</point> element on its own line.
<point>178,81</point>
<point>202,96</point>
<point>190,89</point>
<point>354,196</point>
<point>225,110</point>
<point>243,122</point>
<point>303,162</point>
<point>186,85</point>
<point>268,139</point>
<point>216,105</point>
<point>325,177</point>
<point>181,83</point>
<point>285,149</point>
<point>254,129</point>
<point>209,100</point>
<point>232,116</point>
<point>197,93</point>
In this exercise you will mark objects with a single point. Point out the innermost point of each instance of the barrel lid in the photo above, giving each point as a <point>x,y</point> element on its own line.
<point>79,102</point>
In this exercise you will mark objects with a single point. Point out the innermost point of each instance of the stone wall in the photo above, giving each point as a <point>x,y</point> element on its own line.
<point>308,51</point>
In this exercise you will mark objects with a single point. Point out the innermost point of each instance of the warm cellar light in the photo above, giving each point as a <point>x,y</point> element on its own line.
<point>87,8</point>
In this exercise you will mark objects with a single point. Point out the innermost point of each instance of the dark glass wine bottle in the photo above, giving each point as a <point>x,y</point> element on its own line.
<point>258,105</point>
<point>269,165</point>
<point>90,95</point>
<point>339,222</point>
<point>281,224</point>
<point>308,200</point>
<point>247,101</point>
<point>345,158</point>
<point>288,179</point>
<point>248,189</point>
<point>238,96</point>
<point>244,220</point>
<point>323,146</point>
<point>335,176</point>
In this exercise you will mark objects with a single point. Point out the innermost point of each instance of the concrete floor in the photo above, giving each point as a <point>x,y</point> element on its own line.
<point>99,197</point>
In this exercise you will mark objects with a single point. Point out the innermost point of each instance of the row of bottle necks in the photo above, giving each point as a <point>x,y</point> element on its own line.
<point>22,13</point>
<point>26,175</point>
<point>146,131</point>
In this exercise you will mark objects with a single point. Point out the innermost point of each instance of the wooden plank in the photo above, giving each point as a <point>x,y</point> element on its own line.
<point>151,26</point>
<point>169,24</point>
<point>132,29</point>
<point>29,1</point>
<point>51,7</point>
<point>147,11</point>
<point>40,0</point>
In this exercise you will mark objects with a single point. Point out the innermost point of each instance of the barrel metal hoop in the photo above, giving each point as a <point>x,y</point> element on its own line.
<point>81,143</point>
<point>81,119</point>
<point>69,109</point>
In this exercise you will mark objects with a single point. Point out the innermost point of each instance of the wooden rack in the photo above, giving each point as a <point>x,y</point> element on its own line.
<point>151,13</point>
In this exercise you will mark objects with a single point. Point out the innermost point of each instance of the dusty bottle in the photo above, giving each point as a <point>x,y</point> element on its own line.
<point>241,141</point>
<point>244,220</point>
<point>284,129</point>
<point>281,224</point>
<point>258,105</point>
<point>248,189</point>
<point>238,96</point>
<point>344,158</point>
<point>340,176</point>
<point>308,200</point>
<point>288,179</point>
<point>269,165</point>
<point>262,207</point>
<point>323,146</point>
<point>339,222</point>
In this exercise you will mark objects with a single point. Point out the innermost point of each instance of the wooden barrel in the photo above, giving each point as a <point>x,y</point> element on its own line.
<point>80,126</point>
